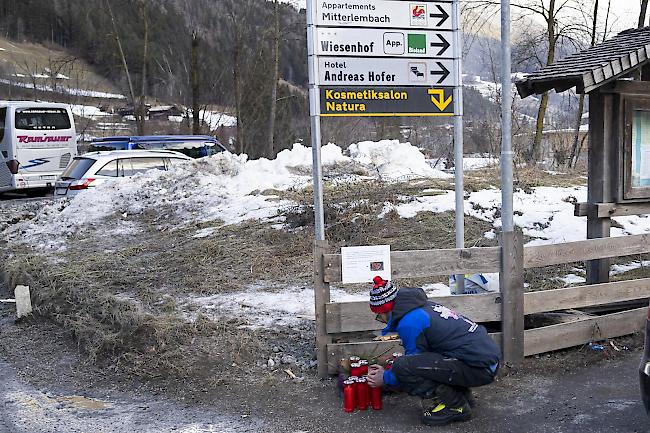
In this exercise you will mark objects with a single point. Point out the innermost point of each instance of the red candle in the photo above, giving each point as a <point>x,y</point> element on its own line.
<point>363,393</point>
<point>375,398</point>
<point>349,400</point>
<point>363,367</point>
<point>355,369</point>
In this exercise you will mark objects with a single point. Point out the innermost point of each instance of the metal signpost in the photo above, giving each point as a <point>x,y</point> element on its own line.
<point>385,58</point>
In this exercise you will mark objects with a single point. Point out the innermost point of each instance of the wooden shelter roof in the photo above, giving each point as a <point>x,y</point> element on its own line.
<point>593,67</point>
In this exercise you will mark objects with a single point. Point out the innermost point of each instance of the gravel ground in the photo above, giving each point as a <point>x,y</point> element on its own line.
<point>49,388</point>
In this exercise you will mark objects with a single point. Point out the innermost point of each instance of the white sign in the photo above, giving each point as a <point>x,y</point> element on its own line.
<point>362,264</point>
<point>384,14</point>
<point>353,71</point>
<point>383,43</point>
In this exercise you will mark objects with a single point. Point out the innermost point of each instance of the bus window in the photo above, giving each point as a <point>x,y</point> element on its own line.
<point>38,119</point>
<point>3,116</point>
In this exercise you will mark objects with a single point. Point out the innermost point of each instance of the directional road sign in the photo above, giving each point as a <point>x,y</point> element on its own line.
<point>383,43</point>
<point>354,71</point>
<point>382,101</point>
<point>384,14</point>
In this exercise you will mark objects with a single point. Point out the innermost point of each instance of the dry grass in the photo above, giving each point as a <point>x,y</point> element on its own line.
<point>525,178</point>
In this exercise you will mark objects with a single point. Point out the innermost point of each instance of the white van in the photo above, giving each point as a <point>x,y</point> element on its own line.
<point>37,141</point>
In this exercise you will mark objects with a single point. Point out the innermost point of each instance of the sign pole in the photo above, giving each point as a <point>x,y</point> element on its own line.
<point>511,274</point>
<point>507,224</point>
<point>321,288</point>
<point>314,114</point>
<point>459,288</point>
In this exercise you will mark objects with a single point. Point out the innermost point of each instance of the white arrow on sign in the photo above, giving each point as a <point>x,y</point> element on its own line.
<point>383,43</point>
<point>353,71</point>
<point>384,14</point>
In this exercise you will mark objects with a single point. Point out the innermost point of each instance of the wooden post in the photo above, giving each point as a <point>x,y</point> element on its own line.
<point>321,298</point>
<point>511,281</point>
<point>602,171</point>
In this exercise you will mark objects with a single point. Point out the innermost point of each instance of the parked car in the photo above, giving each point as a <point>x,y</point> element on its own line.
<point>644,368</point>
<point>194,146</point>
<point>92,169</point>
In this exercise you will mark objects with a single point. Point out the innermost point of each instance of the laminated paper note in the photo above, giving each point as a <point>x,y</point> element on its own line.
<point>362,264</point>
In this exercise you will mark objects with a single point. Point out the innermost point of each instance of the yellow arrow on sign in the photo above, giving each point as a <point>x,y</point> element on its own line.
<point>439,102</point>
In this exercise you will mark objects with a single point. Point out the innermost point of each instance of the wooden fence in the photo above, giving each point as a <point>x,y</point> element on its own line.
<point>336,322</point>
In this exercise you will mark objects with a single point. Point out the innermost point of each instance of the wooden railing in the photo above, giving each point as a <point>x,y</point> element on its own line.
<point>336,320</point>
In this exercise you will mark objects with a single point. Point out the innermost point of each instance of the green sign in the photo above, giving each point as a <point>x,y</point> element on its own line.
<point>417,43</point>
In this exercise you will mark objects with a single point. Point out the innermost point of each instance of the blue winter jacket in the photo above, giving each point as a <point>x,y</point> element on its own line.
<point>427,327</point>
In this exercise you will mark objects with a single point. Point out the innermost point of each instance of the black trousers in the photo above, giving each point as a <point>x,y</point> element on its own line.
<point>430,375</point>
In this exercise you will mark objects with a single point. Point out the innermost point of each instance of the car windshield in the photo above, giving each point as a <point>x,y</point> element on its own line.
<point>77,168</point>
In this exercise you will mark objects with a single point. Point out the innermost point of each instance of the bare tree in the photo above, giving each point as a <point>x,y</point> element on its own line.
<point>559,21</point>
<point>237,24</point>
<point>120,49</point>
<point>572,160</point>
<point>142,108</point>
<point>273,99</point>
<point>196,126</point>
<point>642,13</point>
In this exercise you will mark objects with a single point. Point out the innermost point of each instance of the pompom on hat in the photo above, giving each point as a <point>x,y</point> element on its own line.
<point>382,296</point>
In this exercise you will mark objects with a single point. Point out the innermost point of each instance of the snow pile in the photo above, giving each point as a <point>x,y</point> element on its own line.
<point>546,213</point>
<point>394,160</point>
<point>223,187</point>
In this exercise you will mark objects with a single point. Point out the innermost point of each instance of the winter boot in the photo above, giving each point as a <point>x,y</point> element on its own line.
<point>470,398</point>
<point>438,414</point>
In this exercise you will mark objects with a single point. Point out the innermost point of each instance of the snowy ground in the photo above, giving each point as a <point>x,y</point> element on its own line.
<point>227,189</point>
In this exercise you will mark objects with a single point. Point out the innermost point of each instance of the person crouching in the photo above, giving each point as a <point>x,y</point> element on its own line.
<point>446,354</point>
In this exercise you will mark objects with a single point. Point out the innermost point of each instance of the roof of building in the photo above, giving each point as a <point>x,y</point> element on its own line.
<point>593,67</point>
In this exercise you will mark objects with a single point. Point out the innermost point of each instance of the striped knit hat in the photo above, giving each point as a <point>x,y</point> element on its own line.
<point>382,296</point>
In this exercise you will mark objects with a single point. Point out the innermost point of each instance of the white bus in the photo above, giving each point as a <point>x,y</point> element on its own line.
<point>37,140</point>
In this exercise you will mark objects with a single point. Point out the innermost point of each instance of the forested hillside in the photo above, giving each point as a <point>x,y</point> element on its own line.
<point>235,51</point>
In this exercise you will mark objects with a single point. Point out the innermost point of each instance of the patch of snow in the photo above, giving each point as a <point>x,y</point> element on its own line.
<point>261,307</point>
<point>621,269</point>
<point>66,90</point>
<point>215,119</point>
<point>546,214</point>
<point>436,289</point>
<point>88,111</point>
<point>204,233</point>
<point>570,279</point>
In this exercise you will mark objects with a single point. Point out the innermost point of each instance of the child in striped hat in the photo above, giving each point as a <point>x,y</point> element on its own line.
<point>446,354</point>
<point>382,296</point>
